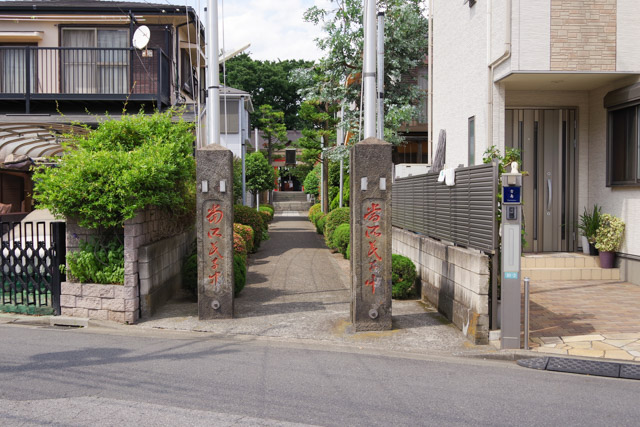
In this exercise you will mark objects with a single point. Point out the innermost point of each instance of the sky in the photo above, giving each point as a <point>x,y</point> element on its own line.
<point>275,28</point>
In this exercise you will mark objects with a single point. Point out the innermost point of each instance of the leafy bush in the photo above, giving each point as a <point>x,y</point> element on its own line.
<point>321,219</point>
<point>239,274</point>
<point>248,216</point>
<point>96,263</point>
<point>311,183</point>
<point>313,210</point>
<point>247,234</point>
<point>260,175</point>
<point>267,215</point>
<point>121,167</point>
<point>239,244</point>
<point>190,273</point>
<point>341,238</point>
<point>267,205</point>
<point>335,202</point>
<point>610,233</point>
<point>348,254</point>
<point>335,218</point>
<point>403,276</point>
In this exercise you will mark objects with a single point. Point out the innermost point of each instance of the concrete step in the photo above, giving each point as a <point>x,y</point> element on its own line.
<point>566,266</point>
<point>291,206</point>
<point>289,196</point>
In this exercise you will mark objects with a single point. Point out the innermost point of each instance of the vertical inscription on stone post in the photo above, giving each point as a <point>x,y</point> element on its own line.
<point>214,175</point>
<point>371,235</point>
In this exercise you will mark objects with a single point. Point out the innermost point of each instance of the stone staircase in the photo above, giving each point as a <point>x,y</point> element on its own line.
<point>290,201</point>
<point>566,266</point>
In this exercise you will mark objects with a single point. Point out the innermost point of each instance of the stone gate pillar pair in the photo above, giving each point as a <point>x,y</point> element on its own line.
<point>370,200</point>
<point>214,204</point>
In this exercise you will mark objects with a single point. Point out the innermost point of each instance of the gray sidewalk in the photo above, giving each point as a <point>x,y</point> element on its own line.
<point>298,290</point>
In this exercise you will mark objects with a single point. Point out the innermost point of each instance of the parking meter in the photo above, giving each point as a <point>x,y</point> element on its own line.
<point>511,253</point>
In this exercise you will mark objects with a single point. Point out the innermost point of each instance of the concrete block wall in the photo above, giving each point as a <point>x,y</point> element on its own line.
<point>159,269</point>
<point>454,279</point>
<point>121,303</point>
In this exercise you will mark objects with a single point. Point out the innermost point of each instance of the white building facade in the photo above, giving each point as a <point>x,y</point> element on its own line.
<point>559,80</point>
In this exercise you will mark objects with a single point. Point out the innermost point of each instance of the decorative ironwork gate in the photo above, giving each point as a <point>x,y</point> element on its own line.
<point>31,256</point>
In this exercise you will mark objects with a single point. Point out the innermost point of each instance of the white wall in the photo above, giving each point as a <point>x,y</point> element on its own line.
<point>531,35</point>
<point>628,34</point>
<point>460,76</point>
<point>623,202</point>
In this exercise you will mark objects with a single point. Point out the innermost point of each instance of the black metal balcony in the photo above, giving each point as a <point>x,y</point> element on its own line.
<point>84,74</point>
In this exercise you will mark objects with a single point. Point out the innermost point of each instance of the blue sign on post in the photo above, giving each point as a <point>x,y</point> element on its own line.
<point>511,275</point>
<point>511,195</point>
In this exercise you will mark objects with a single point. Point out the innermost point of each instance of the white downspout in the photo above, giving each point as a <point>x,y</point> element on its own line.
<point>493,65</point>
<point>430,84</point>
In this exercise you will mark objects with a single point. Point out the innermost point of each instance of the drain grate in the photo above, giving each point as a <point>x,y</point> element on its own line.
<point>585,367</point>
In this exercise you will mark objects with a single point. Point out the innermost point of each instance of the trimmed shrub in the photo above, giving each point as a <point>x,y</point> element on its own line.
<point>266,216</point>
<point>239,244</point>
<point>335,218</point>
<point>248,216</point>
<point>321,218</point>
<point>267,205</point>
<point>313,210</point>
<point>239,273</point>
<point>403,276</point>
<point>335,202</point>
<point>341,237</point>
<point>190,273</point>
<point>247,234</point>
<point>348,254</point>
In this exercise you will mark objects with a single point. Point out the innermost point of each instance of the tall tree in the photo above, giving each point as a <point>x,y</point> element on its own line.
<point>260,175</point>
<point>406,30</point>
<point>268,83</point>
<point>273,129</point>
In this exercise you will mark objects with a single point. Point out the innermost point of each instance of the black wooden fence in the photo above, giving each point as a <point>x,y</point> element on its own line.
<point>31,256</point>
<point>464,214</point>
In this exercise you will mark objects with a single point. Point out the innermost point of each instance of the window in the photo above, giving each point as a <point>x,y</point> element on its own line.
<point>13,65</point>
<point>87,70</point>
<point>472,141</point>
<point>229,116</point>
<point>187,74</point>
<point>411,151</point>
<point>623,147</point>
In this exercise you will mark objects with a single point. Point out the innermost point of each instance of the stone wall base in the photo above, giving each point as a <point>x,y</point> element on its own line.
<point>454,279</point>
<point>117,303</point>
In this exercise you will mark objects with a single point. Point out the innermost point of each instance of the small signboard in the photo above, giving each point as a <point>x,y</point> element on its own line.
<point>511,195</point>
<point>511,275</point>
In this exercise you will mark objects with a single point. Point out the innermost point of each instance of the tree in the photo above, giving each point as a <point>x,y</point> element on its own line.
<point>270,122</point>
<point>268,83</point>
<point>405,48</point>
<point>260,175</point>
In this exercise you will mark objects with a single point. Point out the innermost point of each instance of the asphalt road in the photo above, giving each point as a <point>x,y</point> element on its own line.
<point>92,377</point>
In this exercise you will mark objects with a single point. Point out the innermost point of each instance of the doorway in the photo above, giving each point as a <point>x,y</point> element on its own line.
<point>547,140</point>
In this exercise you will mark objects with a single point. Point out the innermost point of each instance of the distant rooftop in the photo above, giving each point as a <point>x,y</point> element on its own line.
<point>89,6</point>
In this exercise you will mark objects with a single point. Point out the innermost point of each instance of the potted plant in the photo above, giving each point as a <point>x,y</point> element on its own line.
<point>589,224</point>
<point>608,239</point>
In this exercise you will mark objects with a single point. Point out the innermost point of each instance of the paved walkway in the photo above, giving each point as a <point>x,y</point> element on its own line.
<point>297,289</point>
<point>598,318</point>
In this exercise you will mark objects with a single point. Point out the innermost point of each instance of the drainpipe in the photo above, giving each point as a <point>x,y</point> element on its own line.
<point>430,83</point>
<point>493,65</point>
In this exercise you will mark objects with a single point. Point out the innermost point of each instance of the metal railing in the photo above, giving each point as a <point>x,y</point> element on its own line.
<point>464,214</point>
<point>73,73</point>
<point>31,255</point>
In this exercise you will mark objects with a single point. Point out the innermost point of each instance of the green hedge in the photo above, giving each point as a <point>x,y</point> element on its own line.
<point>313,210</point>
<point>335,218</point>
<point>403,276</point>
<point>320,220</point>
<point>247,234</point>
<point>249,216</point>
<point>239,274</point>
<point>341,238</point>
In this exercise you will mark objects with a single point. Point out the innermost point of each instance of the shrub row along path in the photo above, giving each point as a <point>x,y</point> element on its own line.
<point>298,290</point>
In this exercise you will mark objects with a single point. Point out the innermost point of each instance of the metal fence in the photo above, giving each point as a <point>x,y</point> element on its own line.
<point>464,214</point>
<point>31,256</point>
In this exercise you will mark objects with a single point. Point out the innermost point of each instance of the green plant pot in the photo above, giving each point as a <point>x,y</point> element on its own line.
<point>607,259</point>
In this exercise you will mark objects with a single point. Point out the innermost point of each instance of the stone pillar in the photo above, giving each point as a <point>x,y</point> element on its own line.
<point>214,203</point>
<point>370,200</point>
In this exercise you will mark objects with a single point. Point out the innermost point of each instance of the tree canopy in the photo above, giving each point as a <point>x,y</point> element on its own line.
<point>273,129</point>
<point>268,83</point>
<point>260,175</point>
<point>406,30</point>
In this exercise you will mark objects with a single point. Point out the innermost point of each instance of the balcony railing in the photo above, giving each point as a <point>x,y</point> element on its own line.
<point>85,74</point>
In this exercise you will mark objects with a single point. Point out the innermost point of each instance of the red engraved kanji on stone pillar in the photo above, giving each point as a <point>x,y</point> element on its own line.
<point>214,216</point>
<point>372,217</point>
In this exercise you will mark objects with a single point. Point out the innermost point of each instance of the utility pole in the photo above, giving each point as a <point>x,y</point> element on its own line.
<point>369,74</point>
<point>340,138</point>
<point>381,75</point>
<point>213,75</point>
